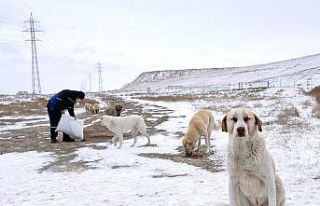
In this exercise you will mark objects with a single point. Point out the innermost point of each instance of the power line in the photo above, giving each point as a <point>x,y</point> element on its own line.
<point>36,86</point>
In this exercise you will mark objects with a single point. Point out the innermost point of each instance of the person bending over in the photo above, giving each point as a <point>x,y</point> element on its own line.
<point>64,100</point>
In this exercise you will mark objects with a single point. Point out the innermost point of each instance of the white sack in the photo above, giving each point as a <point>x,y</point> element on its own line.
<point>70,126</point>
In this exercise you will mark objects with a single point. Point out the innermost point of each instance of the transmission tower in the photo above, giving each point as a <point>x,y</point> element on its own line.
<point>90,82</point>
<point>99,68</point>
<point>36,86</point>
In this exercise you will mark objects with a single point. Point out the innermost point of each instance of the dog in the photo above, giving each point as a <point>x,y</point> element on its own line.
<point>252,177</point>
<point>93,108</point>
<point>119,125</point>
<point>114,110</point>
<point>201,124</point>
<point>87,106</point>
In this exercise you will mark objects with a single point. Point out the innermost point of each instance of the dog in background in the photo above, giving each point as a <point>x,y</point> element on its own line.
<point>114,110</point>
<point>120,125</point>
<point>252,177</point>
<point>201,124</point>
<point>93,108</point>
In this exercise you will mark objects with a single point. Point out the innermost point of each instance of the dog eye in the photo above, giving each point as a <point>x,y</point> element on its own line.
<point>234,119</point>
<point>246,119</point>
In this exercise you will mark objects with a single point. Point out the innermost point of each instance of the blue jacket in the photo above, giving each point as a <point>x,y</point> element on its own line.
<point>64,100</point>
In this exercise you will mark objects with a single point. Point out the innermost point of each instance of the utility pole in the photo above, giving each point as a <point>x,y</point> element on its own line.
<point>99,68</point>
<point>36,86</point>
<point>90,82</point>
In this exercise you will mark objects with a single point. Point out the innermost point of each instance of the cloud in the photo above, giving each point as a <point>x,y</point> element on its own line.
<point>130,37</point>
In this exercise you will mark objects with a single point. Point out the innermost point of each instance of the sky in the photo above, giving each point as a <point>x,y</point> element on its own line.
<point>133,36</point>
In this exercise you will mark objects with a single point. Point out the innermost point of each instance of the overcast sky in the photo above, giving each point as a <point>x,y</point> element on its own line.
<point>133,36</point>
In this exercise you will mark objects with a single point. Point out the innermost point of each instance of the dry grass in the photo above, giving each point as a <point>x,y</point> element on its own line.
<point>173,98</point>
<point>286,114</point>
<point>24,107</point>
<point>306,104</point>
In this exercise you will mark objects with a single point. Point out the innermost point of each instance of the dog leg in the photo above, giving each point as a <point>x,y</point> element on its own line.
<point>114,140</point>
<point>207,144</point>
<point>120,141</point>
<point>134,136</point>
<point>148,137</point>
<point>233,191</point>
<point>271,188</point>
<point>280,192</point>
<point>209,136</point>
<point>142,128</point>
<point>144,133</point>
<point>199,144</point>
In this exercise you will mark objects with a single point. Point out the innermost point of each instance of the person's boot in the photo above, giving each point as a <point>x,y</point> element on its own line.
<point>66,138</point>
<point>53,140</point>
<point>53,135</point>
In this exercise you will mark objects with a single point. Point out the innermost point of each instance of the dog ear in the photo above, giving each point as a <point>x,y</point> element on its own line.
<point>224,124</point>
<point>184,142</point>
<point>258,122</point>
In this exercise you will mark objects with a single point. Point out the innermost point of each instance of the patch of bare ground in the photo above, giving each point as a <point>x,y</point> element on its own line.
<point>169,175</point>
<point>201,161</point>
<point>286,114</point>
<point>241,95</point>
<point>120,166</point>
<point>36,137</point>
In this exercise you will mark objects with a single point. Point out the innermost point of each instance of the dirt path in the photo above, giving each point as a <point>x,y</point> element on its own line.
<point>35,137</point>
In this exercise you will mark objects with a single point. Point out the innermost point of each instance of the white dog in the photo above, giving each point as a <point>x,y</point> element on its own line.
<point>120,125</point>
<point>252,177</point>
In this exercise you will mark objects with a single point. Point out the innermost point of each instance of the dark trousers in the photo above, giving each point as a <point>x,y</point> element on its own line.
<point>54,118</point>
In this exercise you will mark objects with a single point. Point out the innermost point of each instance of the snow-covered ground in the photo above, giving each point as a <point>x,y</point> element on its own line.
<point>124,177</point>
<point>301,72</point>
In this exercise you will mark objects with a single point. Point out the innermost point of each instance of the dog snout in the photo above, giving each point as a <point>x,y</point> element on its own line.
<point>188,153</point>
<point>241,131</point>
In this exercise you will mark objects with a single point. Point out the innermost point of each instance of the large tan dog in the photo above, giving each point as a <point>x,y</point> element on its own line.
<point>252,177</point>
<point>201,124</point>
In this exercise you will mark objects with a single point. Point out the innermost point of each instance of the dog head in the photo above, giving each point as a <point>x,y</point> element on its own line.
<point>188,146</point>
<point>241,123</point>
<point>118,108</point>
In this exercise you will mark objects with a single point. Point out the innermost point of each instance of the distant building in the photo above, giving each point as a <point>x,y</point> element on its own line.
<point>21,93</point>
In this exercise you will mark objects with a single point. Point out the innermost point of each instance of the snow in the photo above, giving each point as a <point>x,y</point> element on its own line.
<point>301,72</point>
<point>122,177</point>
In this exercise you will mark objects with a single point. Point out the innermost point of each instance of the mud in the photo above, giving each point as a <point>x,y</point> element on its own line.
<point>201,161</point>
<point>34,133</point>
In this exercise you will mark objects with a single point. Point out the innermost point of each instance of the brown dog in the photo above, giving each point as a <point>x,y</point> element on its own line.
<point>114,110</point>
<point>201,124</point>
